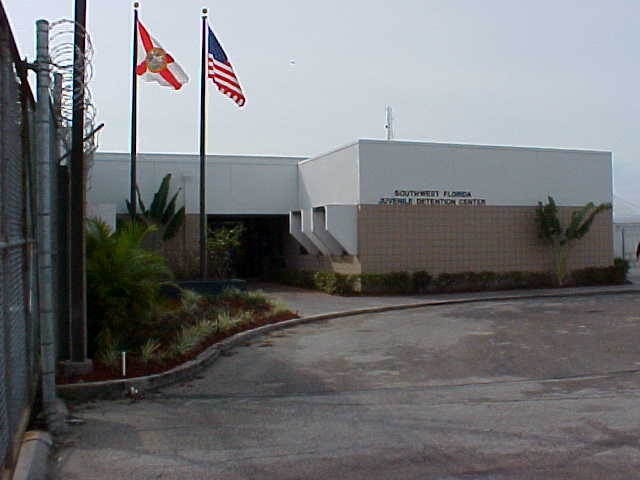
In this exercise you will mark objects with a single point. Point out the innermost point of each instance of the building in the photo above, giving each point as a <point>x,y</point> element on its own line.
<point>626,235</point>
<point>381,206</point>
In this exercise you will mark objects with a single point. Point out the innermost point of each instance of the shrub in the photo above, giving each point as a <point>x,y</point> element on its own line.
<point>421,281</point>
<point>372,283</point>
<point>123,282</point>
<point>395,282</point>
<point>334,283</point>
<point>222,244</point>
<point>107,351</point>
<point>622,265</point>
<point>445,282</point>
<point>278,307</point>
<point>616,274</point>
<point>297,278</point>
<point>190,336</point>
<point>150,351</point>
<point>399,282</point>
<point>256,301</point>
<point>191,302</point>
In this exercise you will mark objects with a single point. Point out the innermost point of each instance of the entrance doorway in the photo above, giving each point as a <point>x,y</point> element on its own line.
<point>261,251</point>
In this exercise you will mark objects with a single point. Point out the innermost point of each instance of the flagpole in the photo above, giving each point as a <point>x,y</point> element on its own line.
<point>203,94</point>
<point>134,114</point>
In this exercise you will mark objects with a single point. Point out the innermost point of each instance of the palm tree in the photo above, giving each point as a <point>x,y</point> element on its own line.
<point>123,280</point>
<point>561,239</point>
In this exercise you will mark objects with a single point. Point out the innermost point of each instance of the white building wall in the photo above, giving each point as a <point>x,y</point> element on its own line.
<point>329,179</point>
<point>362,173</point>
<point>235,184</point>
<point>503,176</point>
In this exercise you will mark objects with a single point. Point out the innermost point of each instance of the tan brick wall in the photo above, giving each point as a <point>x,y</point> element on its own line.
<point>182,252</point>
<point>456,239</point>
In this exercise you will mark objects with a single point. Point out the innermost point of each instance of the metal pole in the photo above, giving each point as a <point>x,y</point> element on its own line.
<point>134,115</point>
<point>203,160</point>
<point>44,127</point>
<point>77,200</point>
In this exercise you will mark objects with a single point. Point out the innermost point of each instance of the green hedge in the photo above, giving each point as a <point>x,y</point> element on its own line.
<point>423,282</point>
<point>615,274</point>
<point>334,283</point>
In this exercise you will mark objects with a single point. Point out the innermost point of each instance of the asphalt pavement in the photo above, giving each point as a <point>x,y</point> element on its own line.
<point>515,389</point>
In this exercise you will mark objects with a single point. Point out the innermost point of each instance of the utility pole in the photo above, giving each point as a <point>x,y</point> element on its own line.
<point>77,248</point>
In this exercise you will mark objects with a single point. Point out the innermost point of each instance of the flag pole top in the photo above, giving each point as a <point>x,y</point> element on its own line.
<point>136,5</point>
<point>204,12</point>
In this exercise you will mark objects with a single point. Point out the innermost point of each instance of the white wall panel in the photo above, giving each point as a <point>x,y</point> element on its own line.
<point>235,184</point>
<point>330,179</point>
<point>500,175</point>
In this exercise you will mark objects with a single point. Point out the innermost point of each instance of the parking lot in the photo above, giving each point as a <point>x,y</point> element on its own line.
<point>522,389</point>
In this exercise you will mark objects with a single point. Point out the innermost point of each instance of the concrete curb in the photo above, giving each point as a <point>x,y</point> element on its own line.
<point>33,459</point>
<point>111,389</point>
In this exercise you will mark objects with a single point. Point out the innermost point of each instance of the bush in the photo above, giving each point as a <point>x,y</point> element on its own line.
<point>421,281</point>
<point>615,274</point>
<point>256,301</point>
<point>297,278</point>
<point>123,282</point>
<point>395,282</point>
<point>334,283</point>
<point>622,265</point>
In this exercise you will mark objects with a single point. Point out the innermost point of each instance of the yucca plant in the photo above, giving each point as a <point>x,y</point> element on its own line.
<point>123,281</point>
<point>561,239</point>
<point>162,212</point>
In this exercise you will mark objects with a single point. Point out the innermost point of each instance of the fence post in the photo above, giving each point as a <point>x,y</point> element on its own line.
<point>44,126</point>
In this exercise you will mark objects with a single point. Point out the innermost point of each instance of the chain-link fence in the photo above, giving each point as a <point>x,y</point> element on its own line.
<point>19,332</point>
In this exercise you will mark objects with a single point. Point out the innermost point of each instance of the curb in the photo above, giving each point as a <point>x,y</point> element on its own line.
<point>33,459</point>
<point>113,389</point>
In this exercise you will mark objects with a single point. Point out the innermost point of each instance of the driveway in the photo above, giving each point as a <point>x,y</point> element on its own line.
<point>523,389</point>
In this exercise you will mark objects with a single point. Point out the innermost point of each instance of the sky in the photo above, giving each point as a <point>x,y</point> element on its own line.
<point>318,74</point>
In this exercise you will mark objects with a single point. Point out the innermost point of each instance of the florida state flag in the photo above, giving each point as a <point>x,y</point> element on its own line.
<point>154,64</point>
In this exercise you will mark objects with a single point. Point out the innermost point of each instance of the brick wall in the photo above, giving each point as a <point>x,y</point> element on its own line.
<point>183,251</point>
<point>457,239</point>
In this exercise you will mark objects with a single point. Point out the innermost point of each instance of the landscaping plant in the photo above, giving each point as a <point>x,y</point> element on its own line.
<point>123,282</point>
<point>221,245</point>
<point>162,213</point>
<point>562,239</point>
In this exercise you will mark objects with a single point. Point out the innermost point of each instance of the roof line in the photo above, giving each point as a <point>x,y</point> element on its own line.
<point>470,145</point>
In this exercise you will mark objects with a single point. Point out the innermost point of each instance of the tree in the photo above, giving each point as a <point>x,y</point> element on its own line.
<point>161,213</point>
<point>562,239</point>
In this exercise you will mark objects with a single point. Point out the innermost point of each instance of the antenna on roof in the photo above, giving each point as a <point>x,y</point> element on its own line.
<point>389,122</point>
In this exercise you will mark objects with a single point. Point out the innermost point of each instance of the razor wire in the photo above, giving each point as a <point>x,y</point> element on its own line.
<point>63,51</point>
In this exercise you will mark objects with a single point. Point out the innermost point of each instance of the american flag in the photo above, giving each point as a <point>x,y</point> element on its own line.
<point>221,71</point>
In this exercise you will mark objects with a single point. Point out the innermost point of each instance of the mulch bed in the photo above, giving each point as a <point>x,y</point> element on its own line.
<point>136,368</point>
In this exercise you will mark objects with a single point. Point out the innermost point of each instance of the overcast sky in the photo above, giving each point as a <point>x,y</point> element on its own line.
<point>318,74</point>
